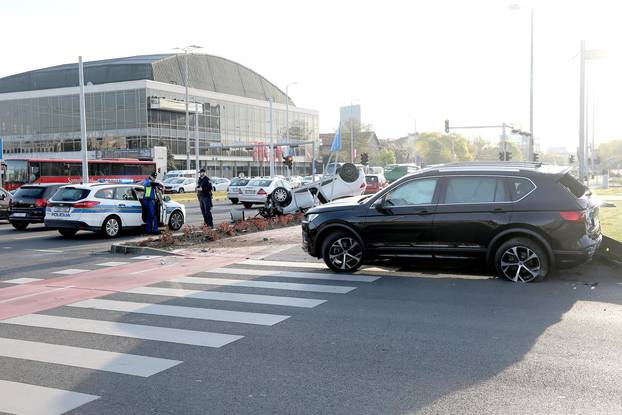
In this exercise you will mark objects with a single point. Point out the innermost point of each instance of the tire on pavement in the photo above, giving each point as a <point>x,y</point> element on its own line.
<point>342,252</point>
<point>349,173</point>
<point>68,233</point>
<point>111,228</point>
<point>20,226</point>
<point>281,196</point>
<point>522,260</point>
<point>176,220</point>
<point>247,205</point>
<point>234,201</point>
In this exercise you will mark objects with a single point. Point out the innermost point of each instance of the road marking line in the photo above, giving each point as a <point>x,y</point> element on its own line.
<point>184,312</point>
<point>146,257</point>
<point>50,251</point>
<point>31,237</point>
<point>334,289</point>
<point>235,297</point>
<point>313,265</point>
<point>70,271</point>
<point>22,280</point>
<point>128,364</point>
<point>292,274</point>
<point>112,264</point>
<point>25,399</point>
<point>136,331</point>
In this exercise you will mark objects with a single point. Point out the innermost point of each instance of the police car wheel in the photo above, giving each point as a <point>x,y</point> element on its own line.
<point>67,233</point>
<point>181,190</point>
<point>111,227</point>
<point>176,221</point>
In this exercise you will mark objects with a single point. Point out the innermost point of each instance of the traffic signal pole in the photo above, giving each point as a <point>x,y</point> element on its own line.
<point>503,153</point>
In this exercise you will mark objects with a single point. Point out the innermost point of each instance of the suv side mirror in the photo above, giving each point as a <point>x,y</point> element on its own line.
<point>379,204</point>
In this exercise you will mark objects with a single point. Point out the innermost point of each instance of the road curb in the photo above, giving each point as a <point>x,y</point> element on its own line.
<point>141,250</point>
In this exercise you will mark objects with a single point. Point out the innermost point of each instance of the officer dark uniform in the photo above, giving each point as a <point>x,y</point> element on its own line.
<point>149,203</point>
<point>204,193</point>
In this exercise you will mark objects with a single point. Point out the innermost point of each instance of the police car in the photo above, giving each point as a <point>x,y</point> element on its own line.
<point>106,208</point>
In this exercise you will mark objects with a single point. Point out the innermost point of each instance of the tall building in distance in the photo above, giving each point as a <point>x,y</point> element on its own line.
<point>349,113</point>
<point>136,103</point>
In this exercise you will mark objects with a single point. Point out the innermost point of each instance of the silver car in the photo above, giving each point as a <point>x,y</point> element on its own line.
<point>235,189</point>
<point>5,199</point>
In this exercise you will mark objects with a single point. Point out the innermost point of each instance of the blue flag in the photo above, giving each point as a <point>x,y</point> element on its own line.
<point>336,142</point>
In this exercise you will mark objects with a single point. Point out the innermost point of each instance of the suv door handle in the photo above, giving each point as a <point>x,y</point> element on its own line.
<point>498,210</point>
<point>422,212</point>
<point>121,204</point>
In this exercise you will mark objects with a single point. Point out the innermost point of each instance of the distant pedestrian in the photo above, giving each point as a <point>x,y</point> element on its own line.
<point>204,193</point>
<point>149,204</point>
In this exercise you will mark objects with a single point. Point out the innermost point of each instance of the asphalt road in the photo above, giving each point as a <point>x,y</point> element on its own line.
<point>425,338</point>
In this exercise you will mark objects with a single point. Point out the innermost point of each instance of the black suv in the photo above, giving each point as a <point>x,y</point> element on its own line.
<point>29,203</point>
<point>521,218</point>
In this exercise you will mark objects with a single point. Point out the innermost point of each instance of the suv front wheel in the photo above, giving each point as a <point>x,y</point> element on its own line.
<point>342,252</point>
<point>522,260</point>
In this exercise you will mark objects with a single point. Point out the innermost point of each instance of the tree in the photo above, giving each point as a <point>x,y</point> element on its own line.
<point>383,157</point>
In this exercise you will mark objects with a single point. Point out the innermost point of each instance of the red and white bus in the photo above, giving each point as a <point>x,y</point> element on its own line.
<point>24,171</point>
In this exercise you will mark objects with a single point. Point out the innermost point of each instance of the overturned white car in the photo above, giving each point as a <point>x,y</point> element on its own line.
<point>348,181</point>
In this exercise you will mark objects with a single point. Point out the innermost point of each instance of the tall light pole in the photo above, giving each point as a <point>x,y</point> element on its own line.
<point>287,112</point>
<point>531,136</point>
<point>272,172</point>
<point>83,141</point>
<point>186,50</point>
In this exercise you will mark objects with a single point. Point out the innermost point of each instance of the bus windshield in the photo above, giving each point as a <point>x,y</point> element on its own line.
<point>17,171</point>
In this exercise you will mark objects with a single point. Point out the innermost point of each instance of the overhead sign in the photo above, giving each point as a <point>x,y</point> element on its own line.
<point>165,104</point>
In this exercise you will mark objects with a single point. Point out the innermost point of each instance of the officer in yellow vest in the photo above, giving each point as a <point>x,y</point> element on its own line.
<point>149,204</point>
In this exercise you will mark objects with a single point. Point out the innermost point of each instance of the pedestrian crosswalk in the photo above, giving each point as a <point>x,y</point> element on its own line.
<point>220,306</point>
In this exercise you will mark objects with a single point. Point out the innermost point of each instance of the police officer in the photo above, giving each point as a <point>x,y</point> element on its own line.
<point>204,193</point>
<point>149,203</point>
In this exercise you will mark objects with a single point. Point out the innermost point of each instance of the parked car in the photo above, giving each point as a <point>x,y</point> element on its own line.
<point>220,184</point>
<point>375,183</point>
<point>393,172</point>
<point>310,179</point>
<point>5,201</point>
<point>188,174</point>
<point>29,203</point>
<point>258,190</point>
<point>235,189</point>
<point>180,185</point>
<point>106,208</point>
<point>523,219</point>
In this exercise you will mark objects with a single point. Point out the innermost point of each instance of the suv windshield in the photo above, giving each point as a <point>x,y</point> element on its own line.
<point>70,194</point>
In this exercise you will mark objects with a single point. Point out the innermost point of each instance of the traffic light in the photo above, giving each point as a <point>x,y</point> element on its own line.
<point>501,156</point>
<point>536,157</point>
<point>571,159</point>
<point>364,159</point>
<point>508,156</point>
<point>446,126</point>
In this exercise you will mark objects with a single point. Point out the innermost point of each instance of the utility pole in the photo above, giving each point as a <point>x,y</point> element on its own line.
<point>186,50</point>
<point>83,142</point>
<point>530,150</point>
<point>504,139</point>
<point>351,135</point>
<point>582,152</point>
<point>272,172</point>
<point>196,136</point>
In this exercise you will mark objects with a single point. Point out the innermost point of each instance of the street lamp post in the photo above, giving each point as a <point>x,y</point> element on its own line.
<point>186,50</point>
<point>287,112</point>
<point>530,144</point>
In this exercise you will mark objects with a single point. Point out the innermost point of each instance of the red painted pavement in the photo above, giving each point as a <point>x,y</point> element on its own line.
<point>56,292</point>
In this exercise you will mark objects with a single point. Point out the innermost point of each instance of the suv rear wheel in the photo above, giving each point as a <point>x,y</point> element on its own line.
<point>522,260</point>
<point>20,226</point>
<point>247,205</point>
<point>67,233</point>
<point>342,252</point>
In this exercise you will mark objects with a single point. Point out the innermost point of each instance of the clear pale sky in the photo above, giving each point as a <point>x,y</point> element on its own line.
<point>467,61</point>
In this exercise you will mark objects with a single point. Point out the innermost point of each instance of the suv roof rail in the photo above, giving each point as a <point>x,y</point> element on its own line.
<point>531,164</point>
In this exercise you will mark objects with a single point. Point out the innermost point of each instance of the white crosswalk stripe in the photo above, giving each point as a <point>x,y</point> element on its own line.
<point>292,264</point>
<point>70,271</point>
<point>22,280</point>
<point>235,297</point>
<point>141,257</point>
<point>185,312</point>
<point>333,289</point>
<point>128,364</point>
<point>112,264</point>
<point>137,331</point>
<point>25,399</point>
<point>293,274</point>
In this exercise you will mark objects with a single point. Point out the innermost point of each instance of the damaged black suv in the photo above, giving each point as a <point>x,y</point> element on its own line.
<point>523,219</point>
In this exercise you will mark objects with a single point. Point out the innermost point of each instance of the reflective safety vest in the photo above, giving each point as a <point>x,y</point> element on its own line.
<point>149,194</point>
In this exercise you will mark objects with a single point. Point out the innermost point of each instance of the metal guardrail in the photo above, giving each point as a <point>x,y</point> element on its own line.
<point>611,250</point>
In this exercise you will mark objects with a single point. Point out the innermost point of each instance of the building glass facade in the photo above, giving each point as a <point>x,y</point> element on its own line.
<point>122,116</point>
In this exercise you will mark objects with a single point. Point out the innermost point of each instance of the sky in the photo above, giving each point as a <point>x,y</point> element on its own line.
<point>407,63</point>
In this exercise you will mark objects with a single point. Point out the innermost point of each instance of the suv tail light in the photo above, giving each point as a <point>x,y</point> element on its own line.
<point>86,205</point>
<point>573,216</point>
<point>41,203</point>
<point>261,192</point>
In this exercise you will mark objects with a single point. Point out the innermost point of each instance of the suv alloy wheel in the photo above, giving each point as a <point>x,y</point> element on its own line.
<point>342,252</point>
<point>521,260</point>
